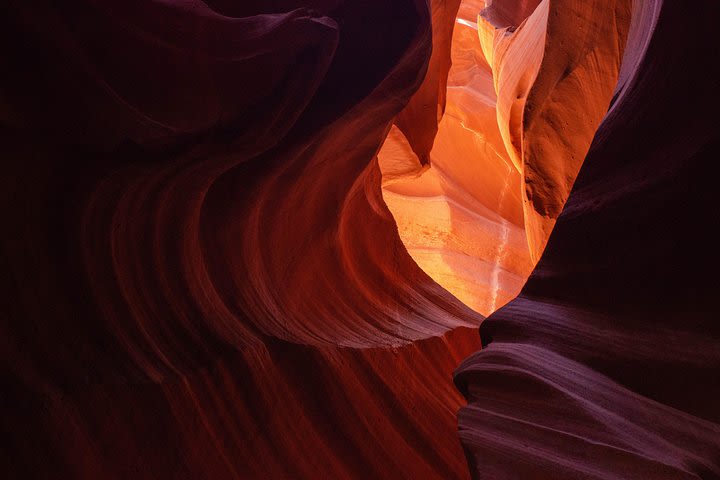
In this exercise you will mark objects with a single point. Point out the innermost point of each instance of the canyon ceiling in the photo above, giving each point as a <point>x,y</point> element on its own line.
<point>258,239</point>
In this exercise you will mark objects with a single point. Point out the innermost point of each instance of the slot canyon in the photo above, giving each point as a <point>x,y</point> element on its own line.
<point>422,239</point>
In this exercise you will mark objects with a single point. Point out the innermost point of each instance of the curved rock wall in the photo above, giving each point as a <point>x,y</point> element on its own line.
<point>215,211</point>
<point>606,365</point>
<point>202,279</point>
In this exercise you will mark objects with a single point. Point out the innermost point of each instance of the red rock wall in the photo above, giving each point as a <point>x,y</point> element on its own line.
<point>202,279</point>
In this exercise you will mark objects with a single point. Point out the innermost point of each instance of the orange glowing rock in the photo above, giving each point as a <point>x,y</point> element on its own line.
<point>569,98</point>
<point>525,94</point>
<point>419,119</point>
<point>461,217</point>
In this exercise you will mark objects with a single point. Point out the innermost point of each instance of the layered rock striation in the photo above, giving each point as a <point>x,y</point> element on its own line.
<point>254,239</point>
<point>606,365</point>
<point>201,277</point>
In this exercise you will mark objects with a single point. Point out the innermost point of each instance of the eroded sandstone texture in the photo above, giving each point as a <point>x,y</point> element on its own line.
<point>214,214</point>
<point>201,277</point>
<point>608,363</point>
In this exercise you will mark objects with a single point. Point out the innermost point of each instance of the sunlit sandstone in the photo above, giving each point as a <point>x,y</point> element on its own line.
<point>476,213</point>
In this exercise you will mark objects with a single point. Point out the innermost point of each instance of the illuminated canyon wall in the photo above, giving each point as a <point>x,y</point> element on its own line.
<point>458,207</point>
<point>525,94</point>
<point>255,239</point>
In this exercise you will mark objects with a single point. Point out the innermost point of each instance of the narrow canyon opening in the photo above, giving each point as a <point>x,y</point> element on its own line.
<point>477,167</point>
<point>460,214</point>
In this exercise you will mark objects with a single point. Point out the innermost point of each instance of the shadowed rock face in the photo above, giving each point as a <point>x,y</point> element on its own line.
<point>202,279</point>
<point>606,365</point>
<point>215,211</point>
